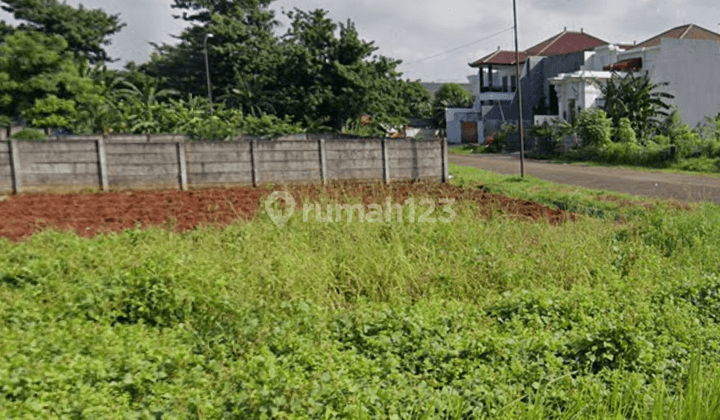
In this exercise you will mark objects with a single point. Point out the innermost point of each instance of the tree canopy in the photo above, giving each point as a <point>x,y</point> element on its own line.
<point>450,95</point>
<point>319,73</point>
<point>86,31</point>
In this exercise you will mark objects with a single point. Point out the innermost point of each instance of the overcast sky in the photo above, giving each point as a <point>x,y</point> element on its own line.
<point>413,30</point>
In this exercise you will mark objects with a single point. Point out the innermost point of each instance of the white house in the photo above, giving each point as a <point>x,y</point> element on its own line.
<point>686,57</point>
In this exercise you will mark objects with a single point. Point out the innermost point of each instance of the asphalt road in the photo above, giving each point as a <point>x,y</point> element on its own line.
<point>648,184</point>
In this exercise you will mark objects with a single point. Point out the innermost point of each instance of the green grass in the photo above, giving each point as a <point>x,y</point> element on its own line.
<point>702,166</point>
<point>612,316</point>
<point>467,149</point>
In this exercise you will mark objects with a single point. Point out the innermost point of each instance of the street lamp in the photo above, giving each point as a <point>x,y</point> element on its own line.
<point>519,92</point>
<point>207,71</point>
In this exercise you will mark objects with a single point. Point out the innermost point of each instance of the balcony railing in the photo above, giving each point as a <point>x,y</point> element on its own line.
<point>496,88</point>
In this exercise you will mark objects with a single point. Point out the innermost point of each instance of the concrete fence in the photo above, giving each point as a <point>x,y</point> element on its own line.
<point>73,165</point>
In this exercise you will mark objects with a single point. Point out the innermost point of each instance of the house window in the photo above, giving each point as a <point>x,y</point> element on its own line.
<point>504,84</point>
<point>513,84</point>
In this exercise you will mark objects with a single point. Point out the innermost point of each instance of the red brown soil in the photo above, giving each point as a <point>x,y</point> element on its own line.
<point>92,214</point>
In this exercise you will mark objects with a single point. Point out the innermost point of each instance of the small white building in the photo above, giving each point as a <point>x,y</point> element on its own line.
<point>464,125</point>
<point>579,91</point>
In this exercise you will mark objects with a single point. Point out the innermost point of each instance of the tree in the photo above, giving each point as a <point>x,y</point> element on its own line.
<point>418,99</point>
<point>638,99</point>
<point>32,67</point>
<point>450,95</point>
<point>330,74</point>
<point>85,30</point>
<point>243,54</point>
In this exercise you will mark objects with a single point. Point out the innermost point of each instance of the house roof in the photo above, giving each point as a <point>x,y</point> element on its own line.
<point>500,57</point>
<point>690,31</point>
<point>566,42</point>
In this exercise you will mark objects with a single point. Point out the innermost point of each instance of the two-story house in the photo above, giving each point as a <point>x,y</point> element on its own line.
<point>496,100</point>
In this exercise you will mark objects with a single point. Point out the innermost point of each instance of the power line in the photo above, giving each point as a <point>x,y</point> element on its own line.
<point>458,48</point>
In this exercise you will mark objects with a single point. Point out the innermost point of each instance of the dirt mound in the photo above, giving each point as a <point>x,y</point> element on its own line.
<point>91,214</point>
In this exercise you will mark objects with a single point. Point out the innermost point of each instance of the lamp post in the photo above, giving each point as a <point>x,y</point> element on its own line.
<point>519,92</point>
<point>207,71</point>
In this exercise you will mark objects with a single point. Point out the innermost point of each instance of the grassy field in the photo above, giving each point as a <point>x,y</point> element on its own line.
<point>614,315</point>
<point>702,166</point>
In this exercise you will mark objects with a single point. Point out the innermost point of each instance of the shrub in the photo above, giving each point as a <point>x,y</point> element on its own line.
<point>497,142</point>
<point>30,134</point>
<point>625,132</point>
<point>595,128</point>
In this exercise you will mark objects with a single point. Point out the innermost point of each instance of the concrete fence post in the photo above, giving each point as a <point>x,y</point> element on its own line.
<point>444,157</point>
<point>254,162</point>
<point>323,162</point>
<point>386,166</point>
<point>15,167</point>
<point>182,165</point>
<point>102,165</point>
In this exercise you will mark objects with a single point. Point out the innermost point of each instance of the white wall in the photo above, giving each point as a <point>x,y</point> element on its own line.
<point>692,67</point>
<point>455,117</point>
<point>601,57</point>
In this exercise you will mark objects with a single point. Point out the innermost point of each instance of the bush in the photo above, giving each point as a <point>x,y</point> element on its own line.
<point>496,143</point>
<point>595,128</point>
<point>624,132</point>
<point>30,134</point>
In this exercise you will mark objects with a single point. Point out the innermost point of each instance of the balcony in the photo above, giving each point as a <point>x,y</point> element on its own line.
<point>497,93</point>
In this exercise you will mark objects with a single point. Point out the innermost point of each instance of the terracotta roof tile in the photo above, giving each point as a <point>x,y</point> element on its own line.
<point>499,57</point>
<point>566,42</point>
<point>690,31</point>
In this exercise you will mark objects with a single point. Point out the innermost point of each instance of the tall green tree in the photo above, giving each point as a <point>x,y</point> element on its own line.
<point>450,95</point>
<point>329,72</point>
<point>638,99</point>
<point>34,66</point>
<point>243,52</point>
<point>87,31</point>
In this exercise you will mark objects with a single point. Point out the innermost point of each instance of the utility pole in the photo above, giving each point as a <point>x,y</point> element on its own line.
<point>207,71</point>
<point>519,92</point>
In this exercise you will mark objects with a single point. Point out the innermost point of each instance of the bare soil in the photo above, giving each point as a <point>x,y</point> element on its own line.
<point>648,184</point>
<point>90,214</point>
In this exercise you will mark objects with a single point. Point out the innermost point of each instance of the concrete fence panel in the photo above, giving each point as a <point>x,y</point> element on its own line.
<point>107,165</point>
<point>213,164</point>
<point>415,160</point>
<point>57,166</point>
<point>354,159</point>
<point>6,170</point>
<point>287,161</point>
<point>151,165</point>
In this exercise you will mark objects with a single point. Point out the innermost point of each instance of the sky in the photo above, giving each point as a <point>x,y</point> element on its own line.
<point>436,40</point>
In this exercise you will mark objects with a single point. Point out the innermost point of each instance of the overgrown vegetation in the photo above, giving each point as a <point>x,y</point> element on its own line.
<point>636,128</point>
<point>610,316</point>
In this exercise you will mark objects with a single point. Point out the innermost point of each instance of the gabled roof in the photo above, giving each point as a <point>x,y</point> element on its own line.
<point>499,57</point>
<point>690,31</point>
<point>566,42</point>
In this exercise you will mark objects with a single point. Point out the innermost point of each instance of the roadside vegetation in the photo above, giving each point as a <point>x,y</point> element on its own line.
<point>612,315</point>
<point>636,128</point>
